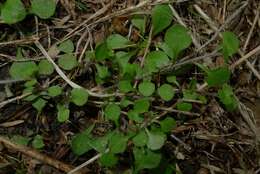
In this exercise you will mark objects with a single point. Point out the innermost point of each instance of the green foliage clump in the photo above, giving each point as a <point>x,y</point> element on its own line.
<point>136,79</point>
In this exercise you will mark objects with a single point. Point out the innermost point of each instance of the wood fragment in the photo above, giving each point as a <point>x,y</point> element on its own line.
<point>37,155</point>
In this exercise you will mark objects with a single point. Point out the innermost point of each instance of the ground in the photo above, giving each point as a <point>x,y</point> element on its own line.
<point>206,139</point>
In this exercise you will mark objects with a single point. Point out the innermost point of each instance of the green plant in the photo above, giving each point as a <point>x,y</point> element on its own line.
<point>139,129</point>
<point>13,11</point>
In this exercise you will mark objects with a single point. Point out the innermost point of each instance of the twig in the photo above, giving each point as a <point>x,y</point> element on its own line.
<point>2,104</point>
<point>177,111</point>
<point>251,29</point>
<point>34,154</point>
<point>147,47</point>
<point>91,160</point>
<point>229,19</point>
<point>18,42</point>
<point>245,57</point>
<point>64,77</point>
<point>99,12</point>
<point>7,81</point>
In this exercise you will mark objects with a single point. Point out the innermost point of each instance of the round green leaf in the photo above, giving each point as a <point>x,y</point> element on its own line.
<point>230,44</point>
<point>141,105</point>
<point>155,140</point>
<point>63,113</point>
<point>177,38</point>
<point>167,124</point>
<point>37,142</point>
<point>218,76</point>
<point>45,67</point>
<point>146,159</point>
<point>116,41</point>
<point>166,92</point>
<point>67,61</point>
<point>125,86</point>
<point>54,91</point>
<point>18,139</point>
<point>66,46</point>
<point>13,11</point>
<point>161,18</point>
<point>182,106</point>
<point>146,88</point>
<point>156,60</point>
<point>79,144</point>
<point>23,70</point>
<point>79,96</point>
<point>112,112</point>
<point>43,8</point>
<point>108,160</point>
<point>140,139</point>
<point>118,143</point>
<point>39,104</point>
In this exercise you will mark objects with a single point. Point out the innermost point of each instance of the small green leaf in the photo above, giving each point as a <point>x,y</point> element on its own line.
<point>218,76</point>
<point>166,92</point>
<point>135,116</point>
<point>18,139</point>
<point>166,49</point>
<point>172,79</point>
<point>227,97</point>
<point>140,139</point>
<point>108,160</point>
<point>102,71</point>
<point>66,46</point>
<point>141,105</point>
<point>139,22</point>
<point>67,61</point>
<point>125,86</point>
<point>99,143</point>
<point>155,140</point>
<point>63,113</point>
<point>167,124</point>
<point>182,106</point>
<point>118,143</point>
<point>102,52</point>
<point>13,11</point>
<point>79,144</point>
<point>30,83</point>
<point>115,41</point>
<point>79,96</point>
<point>146,159</point>
<point>190,94</point>
<point>37,142</point>
<point>177,38</point>
<point>125,102</point>
<point>112,112</point>
<point>43,8</point>
<point>39,104</point>
<point>54,91</point>
<point>123,58</point>
<point>161,18</point>
<point>146,88</point>
<point>156,60</point>
<point>45,67</point>
<point>230,44</point>
<point>23,70</point>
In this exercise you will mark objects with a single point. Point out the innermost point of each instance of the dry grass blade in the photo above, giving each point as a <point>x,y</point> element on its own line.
<point>64,77</point>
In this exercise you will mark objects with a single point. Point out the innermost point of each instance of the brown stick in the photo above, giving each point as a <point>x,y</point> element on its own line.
<point>35,154</point>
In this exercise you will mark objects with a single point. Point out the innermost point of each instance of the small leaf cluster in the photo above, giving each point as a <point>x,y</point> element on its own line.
<point>30,70</point>
<point>13,11</point>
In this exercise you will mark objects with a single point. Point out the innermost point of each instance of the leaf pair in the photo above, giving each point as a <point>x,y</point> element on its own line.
<point>14,11</point>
